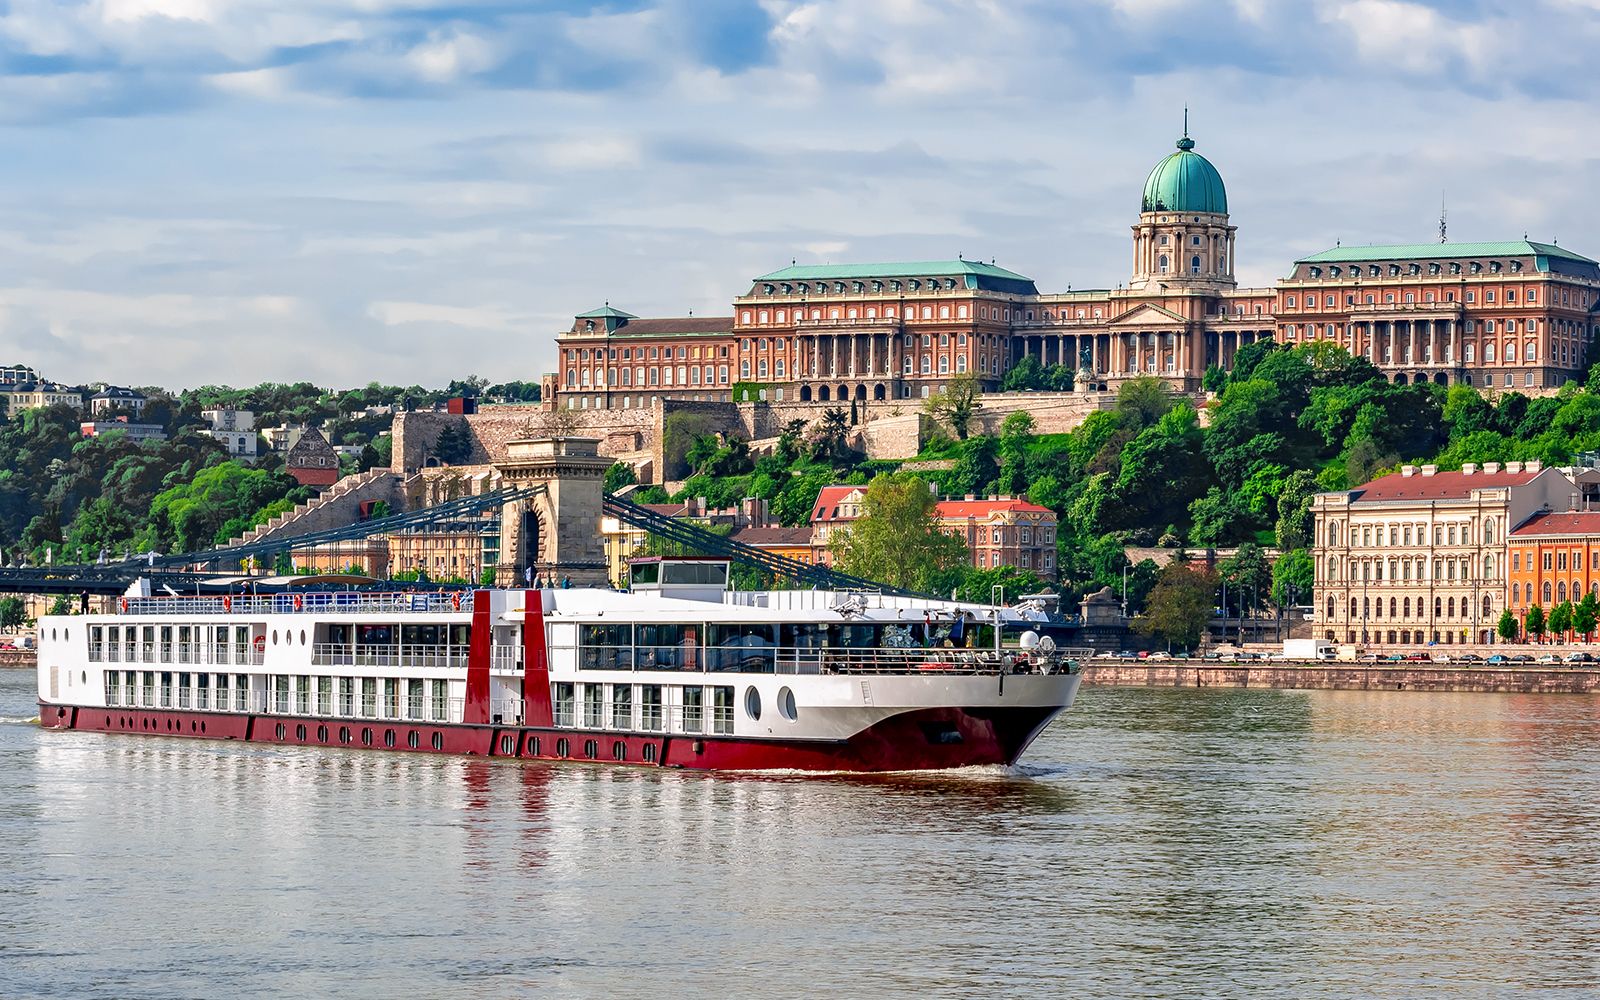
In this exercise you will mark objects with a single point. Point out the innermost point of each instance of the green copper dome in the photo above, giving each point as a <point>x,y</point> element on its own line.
<point>1185,182</point>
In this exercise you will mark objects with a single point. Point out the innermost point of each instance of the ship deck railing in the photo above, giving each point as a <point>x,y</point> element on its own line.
<point>322,602</point>
<point>759,659</point>
<point>179,654</point>
<point>340,654</point>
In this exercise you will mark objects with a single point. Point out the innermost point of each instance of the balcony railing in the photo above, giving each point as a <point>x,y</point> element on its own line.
<point>335,654</point>
<point>307,603</point>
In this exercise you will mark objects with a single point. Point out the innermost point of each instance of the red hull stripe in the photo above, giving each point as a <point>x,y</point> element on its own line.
<point>919,740</point>
<point>476,707</point>
<point>535,661</point>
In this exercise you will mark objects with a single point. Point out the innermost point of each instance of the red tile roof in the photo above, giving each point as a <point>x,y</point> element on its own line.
<point>983,508</point>
<point>831,497</point>
<point>1439,486</point>
<point>667,509</point>
<point>790,537</point>
<point>677,326</point>
<point>1570,522</point>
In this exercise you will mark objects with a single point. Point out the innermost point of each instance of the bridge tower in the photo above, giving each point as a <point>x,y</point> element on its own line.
<point>555,533</point>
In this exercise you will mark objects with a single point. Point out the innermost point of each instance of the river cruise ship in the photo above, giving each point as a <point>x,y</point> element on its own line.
<point>677,672</point>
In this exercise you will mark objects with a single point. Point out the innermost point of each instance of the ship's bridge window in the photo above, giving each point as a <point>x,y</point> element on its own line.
<point>744,648</point>
<point>606,647</point>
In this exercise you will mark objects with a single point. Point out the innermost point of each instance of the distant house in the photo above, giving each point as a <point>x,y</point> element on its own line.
<point>19,396</point>
<point>114,397</point>
<point>235,430</point>
<point>312,461</point>
<point>121,425</point>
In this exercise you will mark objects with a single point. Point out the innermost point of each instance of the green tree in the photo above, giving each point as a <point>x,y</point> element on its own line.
<point>1560,622</point>
<point>1507,626</point>
<point>13,612</point>
<point>1180,605</point>
<point>897,540</point>
<point>1534,622</point>
<point>1015,433</point>
<point>1143,400</point>
<point>1215,379</point>
<point>1293,577</point>
<point>618,475</point>
<point>1585,615</point>
<point>1294,509</point>
<point>1248,577</point>
<point>62,605</point>
<point>957,403</point>
<point>830,437</point>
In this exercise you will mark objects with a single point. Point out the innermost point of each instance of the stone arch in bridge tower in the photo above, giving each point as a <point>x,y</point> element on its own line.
<point>554,533</point>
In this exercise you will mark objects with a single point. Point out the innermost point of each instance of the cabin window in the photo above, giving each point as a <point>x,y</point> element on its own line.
<point>414,698</point>
<point>369,696</point>
<point>650,715</point>
<point>667,647</point>
<point>347,696</point>
<point>693,709</point>
<point>302,695</point>
<point>202,691</point>
<point>593,705</point>
<point>743,648</point>
<point>622,706</point>
<point>563,703</point>
<point>722,710</point>
<point>606,647</point>
<point>280,695</point>
<point>440,700</point>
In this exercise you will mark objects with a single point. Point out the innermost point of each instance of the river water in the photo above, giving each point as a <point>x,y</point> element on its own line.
<point>1156,843</point>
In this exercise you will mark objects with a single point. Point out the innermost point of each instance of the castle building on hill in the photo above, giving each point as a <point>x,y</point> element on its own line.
<point>1517,313</point>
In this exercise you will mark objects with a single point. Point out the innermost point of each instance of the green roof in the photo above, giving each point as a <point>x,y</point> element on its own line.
<point>1426,251</point>
<point>1184,182</point>
<point>900,269</point>
<point>606,312</point>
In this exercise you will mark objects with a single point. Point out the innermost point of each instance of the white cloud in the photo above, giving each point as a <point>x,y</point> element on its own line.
<point>435,314</point>
<point>447,57</point>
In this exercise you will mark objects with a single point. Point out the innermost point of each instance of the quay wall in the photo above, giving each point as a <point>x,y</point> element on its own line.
<point>28,658</point>
<point>1346,677</point>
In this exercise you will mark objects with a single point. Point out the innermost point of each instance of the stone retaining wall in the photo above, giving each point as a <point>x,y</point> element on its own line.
<point>1344,677</point>
<point>19,658</point>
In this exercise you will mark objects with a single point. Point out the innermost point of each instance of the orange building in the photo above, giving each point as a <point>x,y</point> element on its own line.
<point>1554,557</point>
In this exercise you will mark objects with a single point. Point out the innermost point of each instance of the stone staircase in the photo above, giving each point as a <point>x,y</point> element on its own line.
<point>335,507</point>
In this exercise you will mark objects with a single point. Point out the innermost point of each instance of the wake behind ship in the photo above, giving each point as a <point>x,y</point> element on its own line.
<point>679,672</point>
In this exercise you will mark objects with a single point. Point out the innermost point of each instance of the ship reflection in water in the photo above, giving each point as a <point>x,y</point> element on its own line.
<point>1156,843</point>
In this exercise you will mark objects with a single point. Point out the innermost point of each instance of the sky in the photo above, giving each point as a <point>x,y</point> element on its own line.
<point>408,191</point>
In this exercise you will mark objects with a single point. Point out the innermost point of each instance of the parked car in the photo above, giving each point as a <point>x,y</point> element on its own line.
<point>1579,658</point>
<point>1548,658</point>
<point>1105,654</point>
<point>1125,655</point>
<point>1521,658</point>
<point>1441,657</point>
<point>1367,658</point>
<point>1157,655</point>
<point>1416,657</point>
<point>1470,658</point>
<point>1395,658</point>
<point>1497,660</point>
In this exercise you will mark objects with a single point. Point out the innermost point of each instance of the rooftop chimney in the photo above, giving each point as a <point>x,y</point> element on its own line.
<point>1532,465</point>
<point>1408,470</point>
<point>1468,468</point>
<point>1513,466</point>
<point>1490,468</point>
<point>1428,470</point>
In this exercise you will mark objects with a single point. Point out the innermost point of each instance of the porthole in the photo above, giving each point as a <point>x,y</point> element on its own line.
<point>322,734</point>
<point>508,745</point>
<point>83,677</point>
<point>438,741</point>
<point>302,637</point>
<point>786,706</point>
<point>274,637</point>
<point>591,749</point>
<point>280,730</point>
<point>411,739</point>
<point>562,747</point>
<point>530,747</point>
<point>202,729</point>
<point>649,753</point>
<point>388,738</point>
<point>300,733</point>
<point>619,750</point>
<point>366,737</point>
<point>752,702</point>
<point>344,734</point>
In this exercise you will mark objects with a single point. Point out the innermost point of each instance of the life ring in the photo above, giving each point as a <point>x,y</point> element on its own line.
<point>455,600</point>
<point>260,643</point>
<point>299,603</point>
<point>227,603</point>
<point>123,604</point>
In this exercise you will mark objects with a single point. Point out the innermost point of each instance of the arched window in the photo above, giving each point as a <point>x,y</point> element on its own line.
<point>1546,590</point>
<point>1330,607</point>
<point>1405,608</point>
<point>1561,591</point>
<point>1450,607</point>
<point>1438,606</point>
<point>1161,263</point>
<point>1194,265</point>
<point>1392,606</point>
<point>1516,593</point>
<point>1352,607</point>
<point>1488,605</point>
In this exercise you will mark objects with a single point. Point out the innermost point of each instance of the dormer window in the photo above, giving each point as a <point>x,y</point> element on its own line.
<point>1316,272</point>
<point>1375,270</point>
<point>950,283</point>
<point>1476,268</point>
<point>804,288</point>
<point>1433,269</point>
<point>915,284</point>
<point>588,326</point>
<point>1335,270</point>
<point>788,289</point>
<point>1414,269</point>
<point>838,287</point>
<point>1516,266</point>
<point>877,286</point>
<point>1455,267</point>
<point>1494,267</point>
<point>894,286</point>
<point>1394,270</point>
<point>858,287</point>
